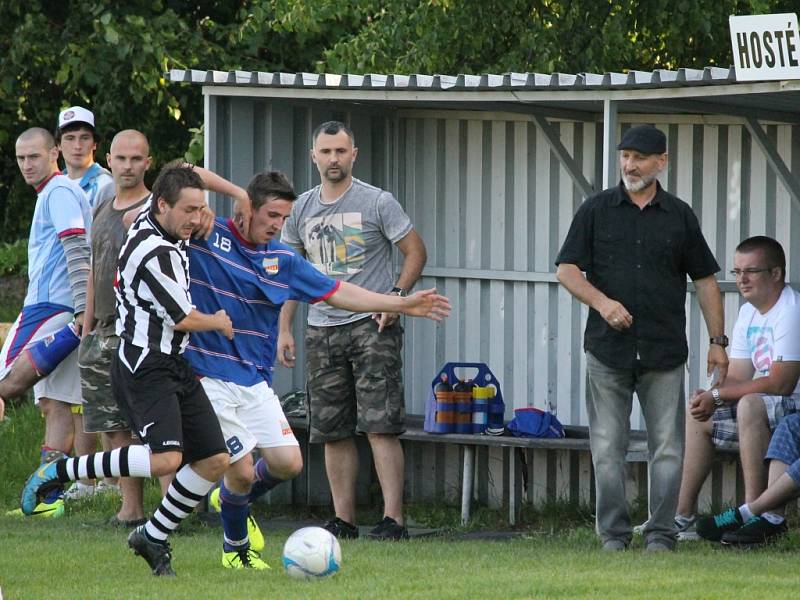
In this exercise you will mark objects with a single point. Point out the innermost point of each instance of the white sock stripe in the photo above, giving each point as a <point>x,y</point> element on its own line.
<point>193,483</point>
<point>115,461</point>
<point>83,461</point>
<point>154,532</point>
<point>139,461</point>
<point>235,542</point>
<point>175,509</point>
<point>72,469</point>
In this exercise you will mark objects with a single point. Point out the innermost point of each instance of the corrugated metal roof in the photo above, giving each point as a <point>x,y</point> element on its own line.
<point>509,81</point>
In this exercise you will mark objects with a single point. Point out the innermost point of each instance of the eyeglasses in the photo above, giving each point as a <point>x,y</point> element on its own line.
<point>739,272</point>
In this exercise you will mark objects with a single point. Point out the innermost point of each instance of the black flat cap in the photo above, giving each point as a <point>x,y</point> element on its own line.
<point>645,139</point>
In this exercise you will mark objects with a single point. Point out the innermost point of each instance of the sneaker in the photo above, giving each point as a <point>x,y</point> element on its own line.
<point>42,480</point>
<point>157,555</point>
<point>341,529</point>
<point>614,545</point>
<point>103,487</point>
<point>246,558</point>
<point>254,533</point>
<point>756,532</point>
<point>639,529</point>
<point>79,491</point>
<point>687,528</point>
<point>714,527</point>
<point>388,529</point>
<point>45,510</point>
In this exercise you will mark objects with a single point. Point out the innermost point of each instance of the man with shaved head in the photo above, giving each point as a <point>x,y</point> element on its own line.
<point>128,160</point>
<point>58,266</point>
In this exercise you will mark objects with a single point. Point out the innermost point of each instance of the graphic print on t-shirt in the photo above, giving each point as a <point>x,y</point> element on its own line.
<point>335,243</point>
<point>760,342</point>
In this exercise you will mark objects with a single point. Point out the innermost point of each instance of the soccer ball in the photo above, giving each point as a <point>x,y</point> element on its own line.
<point>312,552</point>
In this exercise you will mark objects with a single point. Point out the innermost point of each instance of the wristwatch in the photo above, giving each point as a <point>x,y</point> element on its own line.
<point>720,340</point>
<point>717,400</point>
<point>398,291</point>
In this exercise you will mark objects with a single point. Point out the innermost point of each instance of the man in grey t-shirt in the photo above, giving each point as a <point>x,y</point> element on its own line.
<point>347,229</point>
<point>128,159</point>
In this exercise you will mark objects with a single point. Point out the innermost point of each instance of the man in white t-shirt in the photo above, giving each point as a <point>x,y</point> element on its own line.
<point>760,390</point>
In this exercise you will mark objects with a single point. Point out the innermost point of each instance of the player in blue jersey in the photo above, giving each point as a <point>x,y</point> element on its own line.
<point>77,139</point>
<point>250,274</point>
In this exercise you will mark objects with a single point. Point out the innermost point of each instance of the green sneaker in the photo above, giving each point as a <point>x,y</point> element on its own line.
<point>714,527</point>
<point>254,533</point>
<point>756,532</point>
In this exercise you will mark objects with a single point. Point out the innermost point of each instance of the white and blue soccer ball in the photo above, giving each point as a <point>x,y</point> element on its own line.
<point>312,552</point>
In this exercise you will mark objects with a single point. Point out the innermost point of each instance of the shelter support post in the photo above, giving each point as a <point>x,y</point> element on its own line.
<point>610,168</point>
<point>774,159</point>
<point>552,137</point>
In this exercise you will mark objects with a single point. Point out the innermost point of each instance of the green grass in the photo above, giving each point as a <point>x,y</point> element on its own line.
<point>81,559</point>
<point>557,556</point>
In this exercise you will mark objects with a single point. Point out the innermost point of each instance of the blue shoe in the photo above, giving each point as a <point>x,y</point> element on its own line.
<point>42,479</point>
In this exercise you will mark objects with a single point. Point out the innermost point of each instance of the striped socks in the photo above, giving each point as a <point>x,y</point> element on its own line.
<point>184,493</point>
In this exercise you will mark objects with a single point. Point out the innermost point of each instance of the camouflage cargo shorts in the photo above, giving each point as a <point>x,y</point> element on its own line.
<point>355,381</point>
<point>100,410</point>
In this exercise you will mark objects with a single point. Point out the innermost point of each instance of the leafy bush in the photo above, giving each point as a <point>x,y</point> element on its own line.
<point>14,258</point>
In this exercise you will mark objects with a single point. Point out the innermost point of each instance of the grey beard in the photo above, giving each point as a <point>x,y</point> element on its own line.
<point>638,186</point>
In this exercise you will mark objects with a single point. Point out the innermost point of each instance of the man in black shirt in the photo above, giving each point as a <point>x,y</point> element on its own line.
<point>636,243</point>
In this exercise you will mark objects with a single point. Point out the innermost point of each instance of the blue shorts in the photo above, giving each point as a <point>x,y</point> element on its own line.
<point>785,445</point>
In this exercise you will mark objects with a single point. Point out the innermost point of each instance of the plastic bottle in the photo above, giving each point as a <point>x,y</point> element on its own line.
<point>445,407</point>
<point>462,395</point>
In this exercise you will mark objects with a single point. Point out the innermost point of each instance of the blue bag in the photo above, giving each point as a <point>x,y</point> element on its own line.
<point>533,422</point>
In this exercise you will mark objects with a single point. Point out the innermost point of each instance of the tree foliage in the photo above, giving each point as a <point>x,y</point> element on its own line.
<point>112,56</point>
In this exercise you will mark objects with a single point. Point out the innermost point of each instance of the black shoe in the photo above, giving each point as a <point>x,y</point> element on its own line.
<point>756,532</point>
<point>157,555</point>
<point>341,529</point>
<point>714,527</point>
<point>388,529</point>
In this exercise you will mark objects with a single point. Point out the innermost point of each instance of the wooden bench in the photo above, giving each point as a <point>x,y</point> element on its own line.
<point>577,438</point>
<point>547,466</point>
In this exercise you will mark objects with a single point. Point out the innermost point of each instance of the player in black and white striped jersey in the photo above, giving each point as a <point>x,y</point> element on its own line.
<point>153,384</point>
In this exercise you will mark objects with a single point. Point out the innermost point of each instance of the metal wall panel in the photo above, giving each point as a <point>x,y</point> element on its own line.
<point>493,204</point>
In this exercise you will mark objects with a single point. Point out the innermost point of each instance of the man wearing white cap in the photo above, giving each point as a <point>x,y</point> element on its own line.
<point>77,141</point>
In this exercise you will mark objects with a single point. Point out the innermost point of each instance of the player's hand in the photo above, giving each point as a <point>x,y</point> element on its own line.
<point>615,314</point>
<point>2,409</point>
<point>428,304</point>
<point>242,213</point>
<point>206,224</point>
<point>718,359</point>
<point>286,349</point>
<point>385,319</point>
<point>701,406</point>
<point>79,323</point>
<point>225,326</point>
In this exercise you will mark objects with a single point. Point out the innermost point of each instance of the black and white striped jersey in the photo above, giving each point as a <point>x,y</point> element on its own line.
<point>152,292</point>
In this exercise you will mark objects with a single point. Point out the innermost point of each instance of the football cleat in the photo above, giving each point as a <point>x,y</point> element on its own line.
<point>45,510</point>
<point>158,556</point>
<point>41,481</point>
<point>246,558</point>
<point>254,534</point>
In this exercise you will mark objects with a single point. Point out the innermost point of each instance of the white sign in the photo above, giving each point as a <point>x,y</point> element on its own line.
<point>765,47</point>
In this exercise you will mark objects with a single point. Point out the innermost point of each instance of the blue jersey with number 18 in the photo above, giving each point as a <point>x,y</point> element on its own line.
<point>251,283</point>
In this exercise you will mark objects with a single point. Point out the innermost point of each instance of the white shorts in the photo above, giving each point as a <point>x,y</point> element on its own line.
<point>250,417</point>
<point>64,382</point>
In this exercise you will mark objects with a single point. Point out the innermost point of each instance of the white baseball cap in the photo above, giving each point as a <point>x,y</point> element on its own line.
<point>75,114</point>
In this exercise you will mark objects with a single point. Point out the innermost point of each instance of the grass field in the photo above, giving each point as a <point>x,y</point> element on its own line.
<point>78,556</point>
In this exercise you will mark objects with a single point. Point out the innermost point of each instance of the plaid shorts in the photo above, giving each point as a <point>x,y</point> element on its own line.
<point>785,446</point>
<point>725,432</point>
<point>355,381</point>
